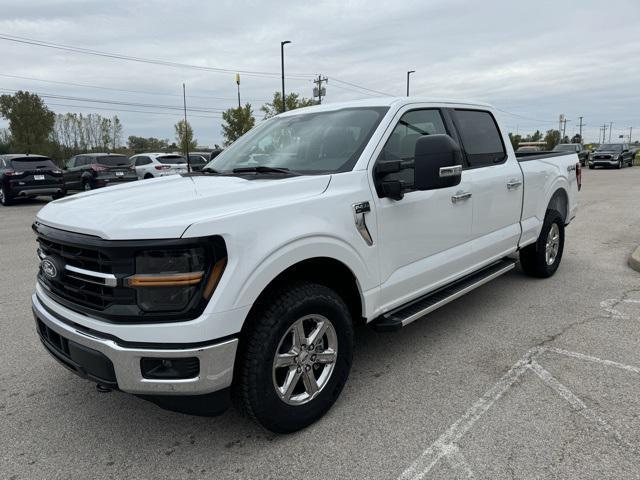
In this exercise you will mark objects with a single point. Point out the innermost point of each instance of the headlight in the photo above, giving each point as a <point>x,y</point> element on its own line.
<point>176,279</point>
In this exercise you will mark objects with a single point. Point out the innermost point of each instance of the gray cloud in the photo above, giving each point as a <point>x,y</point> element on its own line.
<point>534,60</point>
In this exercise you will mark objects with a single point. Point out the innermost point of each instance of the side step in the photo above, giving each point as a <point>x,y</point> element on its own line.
<point>404,315</point>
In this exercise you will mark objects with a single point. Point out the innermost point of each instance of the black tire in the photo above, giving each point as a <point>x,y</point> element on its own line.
<point>56,196</point>
<point>148,175</point>
<point>255,390</point>
<point>591,167</point>
<point>533,258</point>
<point>620,164</point>
<point>86,185</point>
<point>5,200</point>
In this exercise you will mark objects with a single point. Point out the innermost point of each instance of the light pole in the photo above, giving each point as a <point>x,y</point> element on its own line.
<point>282,44</point>
<point>409,73</point>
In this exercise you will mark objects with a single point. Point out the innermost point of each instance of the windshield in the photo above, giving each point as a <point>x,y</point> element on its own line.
<point>308,143</point>
<point>566,148</point>
<point>21,164</point>
<point>614,147</point>
<point>173,159</point>
<point>113,160</point>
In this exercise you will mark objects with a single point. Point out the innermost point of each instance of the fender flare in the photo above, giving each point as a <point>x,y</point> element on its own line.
<point>285,256</point>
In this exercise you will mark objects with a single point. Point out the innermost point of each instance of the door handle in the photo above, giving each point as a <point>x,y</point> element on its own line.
<point>460,196</point>
<point>513,184</point>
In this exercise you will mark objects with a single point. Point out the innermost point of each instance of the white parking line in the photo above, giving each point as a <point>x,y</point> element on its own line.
<point>446,445</point>
<point>577,404</point>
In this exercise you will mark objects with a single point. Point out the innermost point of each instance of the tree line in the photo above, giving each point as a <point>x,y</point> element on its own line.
<point>33,128</point>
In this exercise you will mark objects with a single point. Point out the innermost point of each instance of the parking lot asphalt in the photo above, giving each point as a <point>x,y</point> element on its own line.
<point>522,378</point>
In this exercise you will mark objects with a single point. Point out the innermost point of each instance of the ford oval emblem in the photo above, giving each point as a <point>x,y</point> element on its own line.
<point>49,268</point>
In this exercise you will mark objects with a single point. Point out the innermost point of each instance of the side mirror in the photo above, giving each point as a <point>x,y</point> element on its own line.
<point>438,162</point>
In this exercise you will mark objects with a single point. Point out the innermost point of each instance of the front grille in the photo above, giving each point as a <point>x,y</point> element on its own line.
<point>74,288</point>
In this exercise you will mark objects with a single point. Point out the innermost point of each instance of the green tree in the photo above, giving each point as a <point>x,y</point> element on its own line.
<point>5,141</point>
<point>552,138</point>
<point>236,122</point>
<point>30,121</point>
<point>292,100</point>
<point>184,137</point>
<point>515,140</point>
<point>150,144</point>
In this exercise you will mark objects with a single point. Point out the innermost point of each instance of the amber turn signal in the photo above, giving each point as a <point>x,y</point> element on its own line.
<point>168,280</point>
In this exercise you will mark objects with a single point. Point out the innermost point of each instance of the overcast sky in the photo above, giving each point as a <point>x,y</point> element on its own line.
<point>534,60</point>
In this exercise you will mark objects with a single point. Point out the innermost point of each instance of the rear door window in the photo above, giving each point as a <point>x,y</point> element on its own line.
<point>113,160</point>
<point>480,137</point>
<point>171,159</point>
<point>21,164</point>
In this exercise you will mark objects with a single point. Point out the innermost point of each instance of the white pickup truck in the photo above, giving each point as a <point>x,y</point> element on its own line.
<point>247,277</point>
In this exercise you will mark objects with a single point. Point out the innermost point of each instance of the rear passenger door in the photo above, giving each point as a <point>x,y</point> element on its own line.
<point>71,173</point>
<point>497,184</point>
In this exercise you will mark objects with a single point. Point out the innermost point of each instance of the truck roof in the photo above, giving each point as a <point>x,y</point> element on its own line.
<point>384,102</point>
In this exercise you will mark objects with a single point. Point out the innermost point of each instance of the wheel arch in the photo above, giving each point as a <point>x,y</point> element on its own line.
<point>559,201</point>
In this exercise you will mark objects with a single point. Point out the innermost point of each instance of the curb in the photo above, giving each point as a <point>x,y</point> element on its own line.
<point>634,260</point>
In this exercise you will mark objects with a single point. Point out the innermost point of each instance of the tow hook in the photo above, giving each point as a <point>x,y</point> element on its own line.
<point>101,388</point>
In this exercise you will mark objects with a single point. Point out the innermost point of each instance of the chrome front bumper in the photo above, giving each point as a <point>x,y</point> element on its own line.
<point>216,360</point>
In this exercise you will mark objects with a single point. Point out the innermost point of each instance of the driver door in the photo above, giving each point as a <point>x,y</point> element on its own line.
<point>425,237</point>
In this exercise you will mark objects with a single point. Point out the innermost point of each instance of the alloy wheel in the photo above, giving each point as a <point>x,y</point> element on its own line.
<point>305,359</point>
<point>553,244</point>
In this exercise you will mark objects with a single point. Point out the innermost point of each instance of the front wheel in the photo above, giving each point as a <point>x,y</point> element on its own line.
<point>542,258</point>
<point>4,197</point>
<point>296,357</point>
<point>619,164</point>
<point>86,186</point>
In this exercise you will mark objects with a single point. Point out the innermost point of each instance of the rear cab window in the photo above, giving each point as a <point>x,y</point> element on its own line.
<point>480,137</point>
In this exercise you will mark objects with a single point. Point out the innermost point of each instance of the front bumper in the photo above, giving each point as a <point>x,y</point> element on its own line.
<point>601,162</point>
<point>107,360</point>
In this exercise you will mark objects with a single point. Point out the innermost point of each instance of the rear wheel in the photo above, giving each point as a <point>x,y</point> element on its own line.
<point>56,196</point>
<point>148,175</point>
<point>542,258</point>
<point>4,197</point>
<point>296,357</point>
<point>86,185</point>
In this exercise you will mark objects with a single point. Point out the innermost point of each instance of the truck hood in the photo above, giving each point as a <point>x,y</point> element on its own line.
<point>165,207</point>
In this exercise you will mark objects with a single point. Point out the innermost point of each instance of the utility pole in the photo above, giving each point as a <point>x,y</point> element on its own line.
<point>610,128</point>
<point>282,44</point>
<point>320,91</point>
<point>560,126</point>
<point>408,74</point>
<point>186,127</point>
<point>238,83</point>
<point>564,130</point>
<point>604,133</point>
<point>580,125</point>
<point>630,132</point>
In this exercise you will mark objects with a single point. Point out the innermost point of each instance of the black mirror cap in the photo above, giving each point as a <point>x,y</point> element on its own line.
<point>432,153</point>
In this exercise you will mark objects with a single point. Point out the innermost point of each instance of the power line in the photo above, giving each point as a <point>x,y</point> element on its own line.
<point>116,102</point>
<point>127,110</point>
<point>113,89</point>
<point>361,87</point>
<point>131,58</point>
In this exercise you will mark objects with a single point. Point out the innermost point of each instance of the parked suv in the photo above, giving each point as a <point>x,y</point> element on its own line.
<point>611,155</point>
<point>577,148</point>
<point>150,165</point>
<point>198,160</point>
<point>95,170</point>
<point>26,176</point>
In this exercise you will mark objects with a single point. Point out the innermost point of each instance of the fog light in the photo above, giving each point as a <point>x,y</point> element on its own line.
<point>170,368</point>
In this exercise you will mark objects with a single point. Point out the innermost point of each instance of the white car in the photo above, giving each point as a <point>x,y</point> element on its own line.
<point>151,165</point>
<point>252,273</point>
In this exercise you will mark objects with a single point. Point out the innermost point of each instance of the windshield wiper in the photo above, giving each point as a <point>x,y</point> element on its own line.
<point>264,169</point>
<point>210,170</point>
